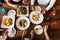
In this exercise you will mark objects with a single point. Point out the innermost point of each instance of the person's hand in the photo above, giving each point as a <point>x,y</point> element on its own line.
<point>45,28</point>
<point>15,6</point>
<point>44,11</point>
<point>24,33</point>
<point>5,35</point>
<point>32,7</point>
<point>32,33</point>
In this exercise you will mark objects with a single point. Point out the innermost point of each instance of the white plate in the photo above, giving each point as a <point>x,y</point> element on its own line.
<point>43,2</point>
<point>18,25</point>
<point>11,12</point>
<point>38,32</point>
<point>27,7</point>
<point>16,0</point>
<point>11,33</point>
<point>40,19</point>
<point>5,17</point>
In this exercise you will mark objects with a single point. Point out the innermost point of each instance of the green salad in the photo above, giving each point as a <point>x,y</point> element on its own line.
<point>22,10</point>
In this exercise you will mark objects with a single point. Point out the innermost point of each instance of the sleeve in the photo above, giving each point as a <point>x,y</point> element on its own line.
<point>52,2</point>
<point>32,2</point>
<point>2,1</point>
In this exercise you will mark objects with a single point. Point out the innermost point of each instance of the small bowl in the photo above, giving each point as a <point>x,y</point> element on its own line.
<point>38,9</point>
<point>11,13</point>
<point>38,29</point>
<point>11,32</point>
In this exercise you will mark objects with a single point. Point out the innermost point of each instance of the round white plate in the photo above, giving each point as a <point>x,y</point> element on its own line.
<point>40,31</point>
<point>16,0</point>
<point>18,25</point>
<point>11,12</point>
<point>10,33</point>
<point>40,19</point>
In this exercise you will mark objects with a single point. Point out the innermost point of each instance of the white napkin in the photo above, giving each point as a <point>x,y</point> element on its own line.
<point>26,38</point>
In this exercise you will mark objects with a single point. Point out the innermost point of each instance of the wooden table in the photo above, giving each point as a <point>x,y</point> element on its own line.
<point>54,32</point>
<point>19,32</point>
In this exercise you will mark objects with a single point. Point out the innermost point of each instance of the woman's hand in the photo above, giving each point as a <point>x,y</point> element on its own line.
<point>45,28</point>
<point>32,7</point>
<point>12,5</point>
<point>23,34</point>
<point>5,35</point>
<point>44,11</point>
<point>32,34</point>
<point>45,32</point>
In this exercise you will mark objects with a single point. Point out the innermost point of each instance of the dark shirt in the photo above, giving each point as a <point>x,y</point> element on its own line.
<point>2,1</point>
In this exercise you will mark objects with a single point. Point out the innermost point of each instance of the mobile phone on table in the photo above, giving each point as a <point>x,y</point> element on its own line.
<point>2,1</point>
<point>4,11</point>
<point>1,32</point>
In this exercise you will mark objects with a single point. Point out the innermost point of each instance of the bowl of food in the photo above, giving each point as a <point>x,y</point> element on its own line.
<point>8,22</point>
<point>36,17</point>
<point>23,11</point>
<point>11,12</point>
<point>11,32</point>
<point>38,29</point>
<point>22,23</point>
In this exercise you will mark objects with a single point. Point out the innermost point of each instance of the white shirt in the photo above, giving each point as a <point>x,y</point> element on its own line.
<point>45,2</point>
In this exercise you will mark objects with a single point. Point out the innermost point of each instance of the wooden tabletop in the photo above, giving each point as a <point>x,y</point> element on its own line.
<point>19,32</point>
<point>53,31</point>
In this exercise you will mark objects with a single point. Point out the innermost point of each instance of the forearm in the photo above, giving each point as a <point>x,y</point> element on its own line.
<point>46,35</point>
<point>12,5</point>
<point>52,2</point>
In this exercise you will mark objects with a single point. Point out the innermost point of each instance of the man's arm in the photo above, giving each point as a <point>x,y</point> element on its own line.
<point>52,2</point>
<point>12,5</point>
<point>32,5</point>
